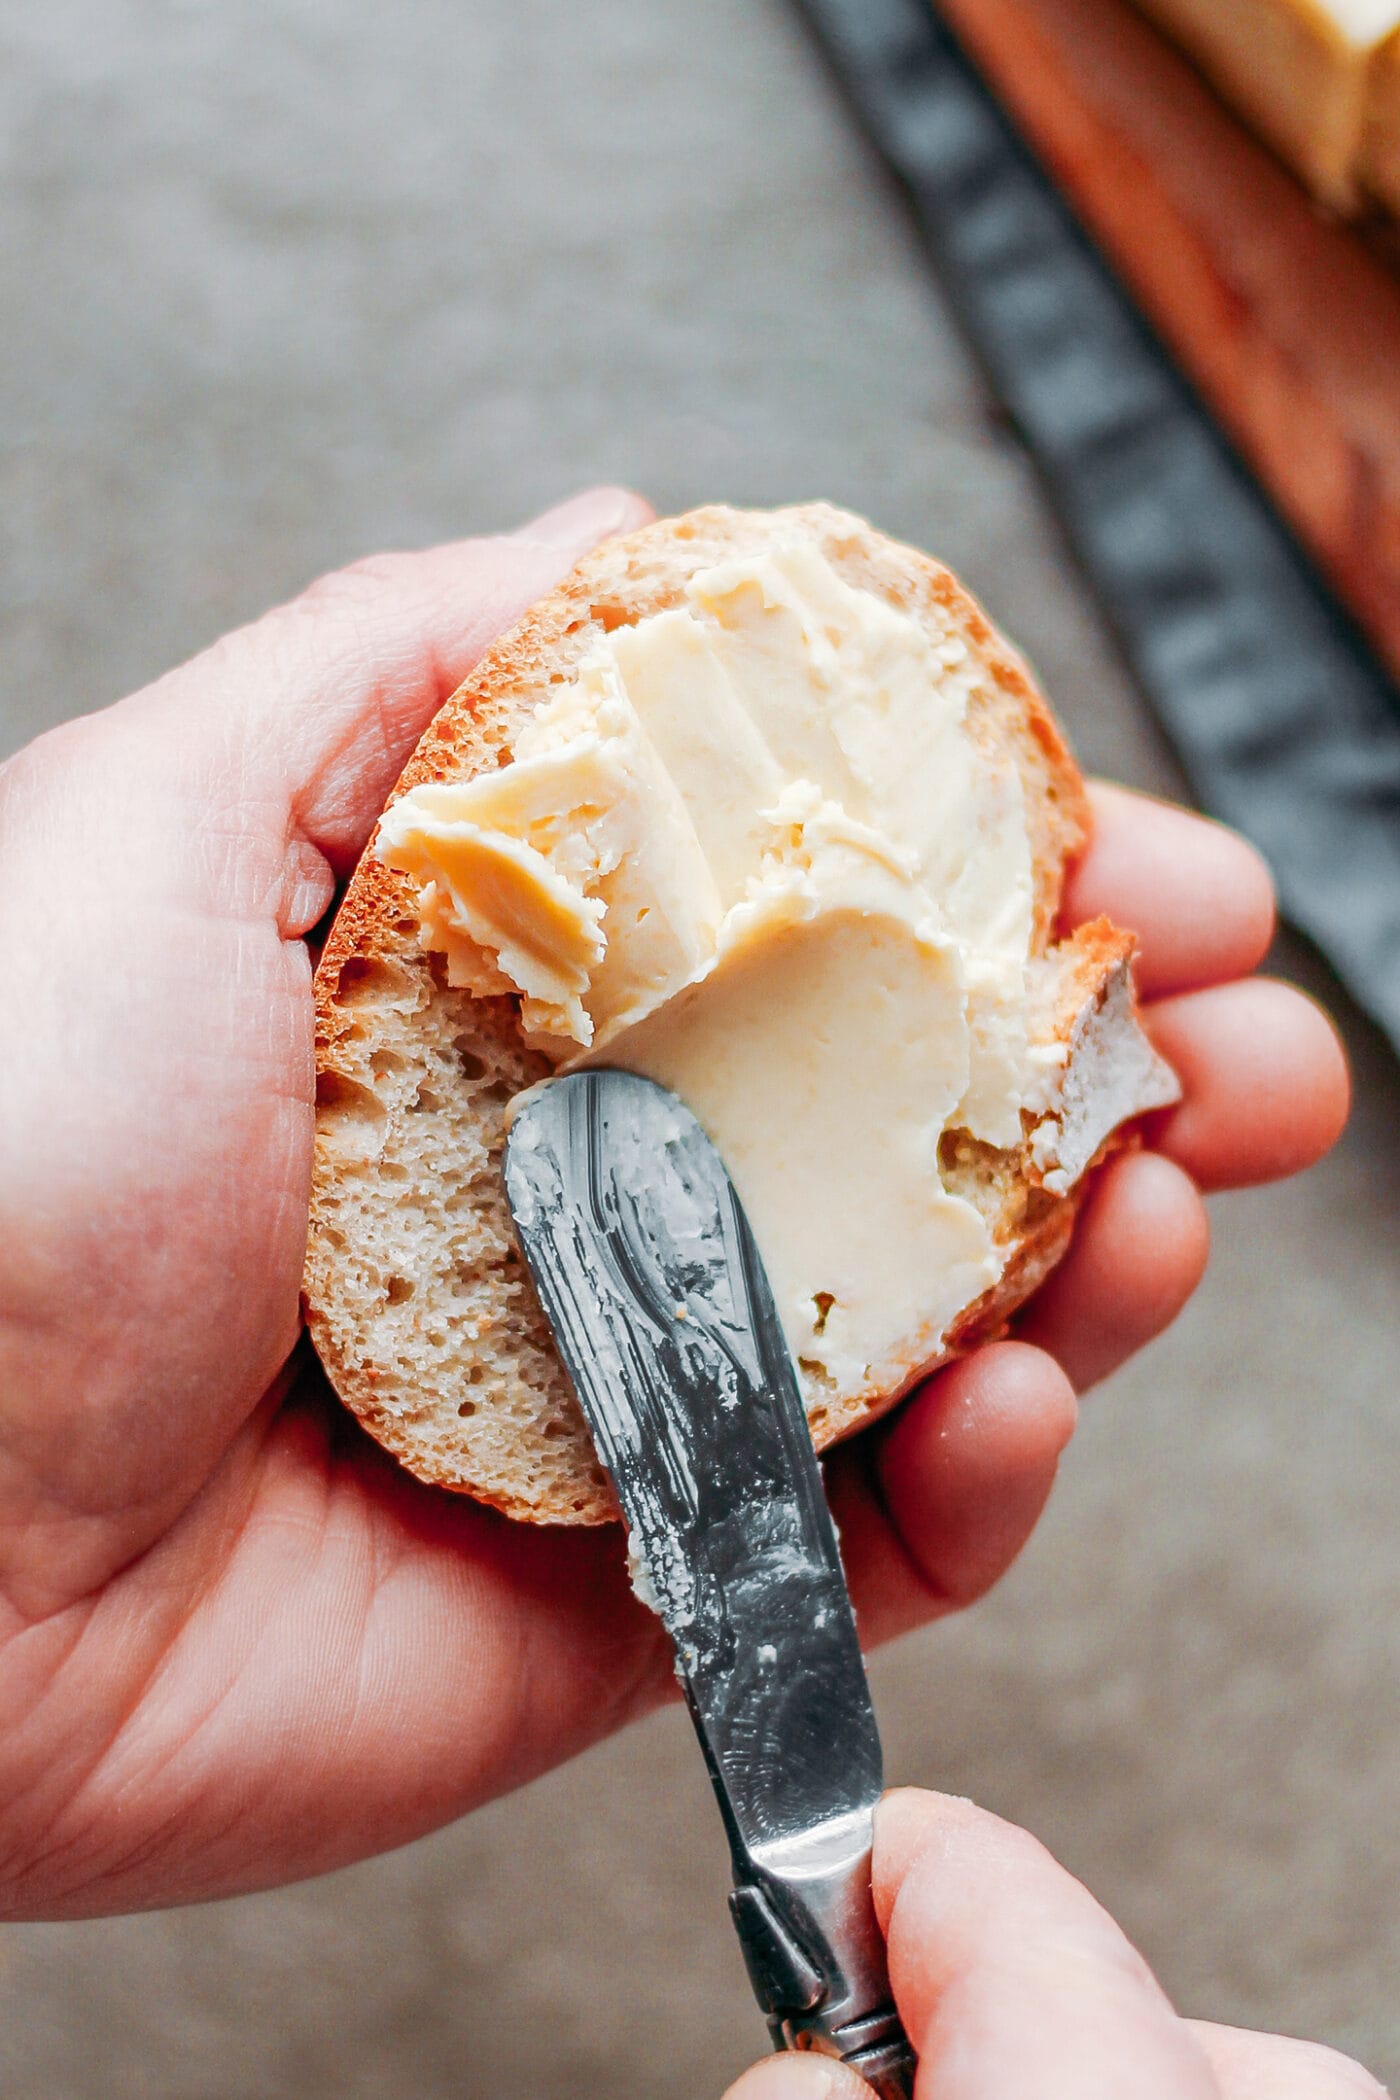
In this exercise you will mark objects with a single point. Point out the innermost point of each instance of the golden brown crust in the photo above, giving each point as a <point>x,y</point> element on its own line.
<point>373,945</point>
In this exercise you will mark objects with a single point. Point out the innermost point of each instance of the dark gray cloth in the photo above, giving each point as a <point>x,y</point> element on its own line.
<point>1285,721</point>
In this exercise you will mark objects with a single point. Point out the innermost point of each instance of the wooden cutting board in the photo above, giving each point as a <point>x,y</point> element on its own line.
<point>1287,321</point>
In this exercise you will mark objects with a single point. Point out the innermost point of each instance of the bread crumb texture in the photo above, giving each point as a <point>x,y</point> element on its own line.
<point>417,1298</point>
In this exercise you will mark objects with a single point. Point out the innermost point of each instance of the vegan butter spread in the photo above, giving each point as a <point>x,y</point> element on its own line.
<point>1318,78</point>
<point>753,852</point>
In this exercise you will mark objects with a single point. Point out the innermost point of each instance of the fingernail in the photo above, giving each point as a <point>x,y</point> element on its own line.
<point>798,2078</point>
<point>583,520</point>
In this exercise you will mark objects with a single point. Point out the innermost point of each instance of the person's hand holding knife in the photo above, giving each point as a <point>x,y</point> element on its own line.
<point>1013,1984</point>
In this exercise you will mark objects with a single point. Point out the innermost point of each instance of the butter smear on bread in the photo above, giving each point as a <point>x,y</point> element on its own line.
<point>753,848</point>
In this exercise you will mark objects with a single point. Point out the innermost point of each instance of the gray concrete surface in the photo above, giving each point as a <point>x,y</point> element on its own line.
<point>283,282</point>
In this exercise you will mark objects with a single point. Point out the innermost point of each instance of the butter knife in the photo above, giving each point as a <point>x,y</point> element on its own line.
<point>650,1278</point>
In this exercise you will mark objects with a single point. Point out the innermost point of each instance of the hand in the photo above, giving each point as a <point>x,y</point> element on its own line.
<point>237,1644</point>
<point>1014,1985</point>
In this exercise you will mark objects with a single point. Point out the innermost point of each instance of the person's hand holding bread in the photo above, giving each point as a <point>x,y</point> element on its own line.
<point>238,1643</point>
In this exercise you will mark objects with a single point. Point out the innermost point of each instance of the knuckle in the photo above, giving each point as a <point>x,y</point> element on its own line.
<point>352,588</point>
<point>29,772</point>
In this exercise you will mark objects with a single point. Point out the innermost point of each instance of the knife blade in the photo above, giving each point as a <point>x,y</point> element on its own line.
<point>648,1273</point>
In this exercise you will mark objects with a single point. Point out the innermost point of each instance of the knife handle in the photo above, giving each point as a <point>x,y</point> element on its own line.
<point>887,2065</point>
<point>817,1964</point>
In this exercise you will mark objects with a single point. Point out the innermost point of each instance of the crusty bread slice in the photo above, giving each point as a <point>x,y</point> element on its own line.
<point>417,1298</point>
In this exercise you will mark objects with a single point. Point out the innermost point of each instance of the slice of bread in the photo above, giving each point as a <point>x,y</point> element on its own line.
<point>417,1298</point>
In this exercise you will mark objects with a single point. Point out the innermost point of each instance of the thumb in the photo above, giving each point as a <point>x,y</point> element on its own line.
<point>322,700</point>
<point>158,863</point>
<point>1008,1975</point>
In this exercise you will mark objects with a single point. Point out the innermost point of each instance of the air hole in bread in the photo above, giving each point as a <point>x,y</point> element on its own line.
<point>400,1289</point>
<point>1038,1205</point>
<point>466,1408</point>
<point>473,1066</point>
<point>822,1303</point>
<point>343,1101</point>
<point>368,981</point>
<point>610,616</point>
<point>427,1101</point>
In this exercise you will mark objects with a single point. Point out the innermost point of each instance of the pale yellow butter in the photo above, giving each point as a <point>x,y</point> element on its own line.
<point>753,851</point>
<point>529,862</point>
<point>1380,151</point>
<point>826,1053</point>
<point>1306,73</point>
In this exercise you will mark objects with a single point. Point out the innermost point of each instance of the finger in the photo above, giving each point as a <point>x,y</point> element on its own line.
<point>1246,2066</point>
<point>1008,1975</point>
<point>1199,898</point>
<point>1271,2067</point>
<point>153,1208</point>
<point>800,2078</point>
<point>1139,1250</point>
<point>933,1508</point>
<point>328,694</point>
<point>1265,1083</point>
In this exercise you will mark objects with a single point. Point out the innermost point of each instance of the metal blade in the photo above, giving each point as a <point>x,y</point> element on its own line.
<point>659,1303</point>
<point>648,1273</point>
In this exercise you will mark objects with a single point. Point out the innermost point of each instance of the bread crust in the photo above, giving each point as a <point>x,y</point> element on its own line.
<point>451,1365</point>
